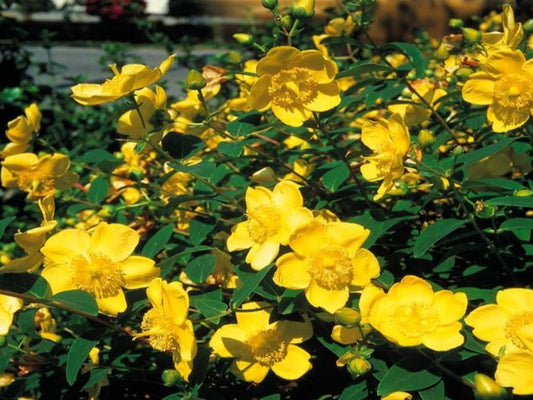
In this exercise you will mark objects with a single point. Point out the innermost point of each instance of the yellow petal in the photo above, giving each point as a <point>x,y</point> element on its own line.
<point>327,97</point>
<point>138,271</point>
<point>371,172</point>
<point>479,89</point>
<point>504,119</point>
<point>62,247</point>
<point>294,116</point>
<point>112,305</point>
<point>291,272</point>
<point>444,338</point>
<point>249,371</point>
<point>505,61</point>
<point>258,319</point>
<point>260,255</point>
<point>115,241</point>
<point>515,299</point>
<point>329,300</point>
<point>286,195</point>
<point>368,297</point>
<point>229,341</point>
<point>321,68</point>
<point>399,134</point>
<point>397,396</point>
<point>365,268</point>
<point>344,335</point>
<point>514,370</point>
<point>489,322</point>
<point>412,287</point>
<point>56,165</point>
<point>59,278</point>
<point>187,342</point>
<point>240,238</point>
<point>293,331</point>
<point>348,235</point>
<point>257,197</point>
<point>309,239</point>
<point>276,59</point>
<point>294,365</point>
<point>525,334</point>
<point>450,306</point>
<point>259,98</point>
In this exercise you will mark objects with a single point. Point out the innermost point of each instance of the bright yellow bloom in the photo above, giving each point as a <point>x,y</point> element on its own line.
<point>272,217</point>
<point>295,83</point>
<point>39,176</point>
<point>8,306</point>
<point>505,84</point>
<point>155,118</point>
<point>514,369</point>
<point>397,396</point>
<point>411,314</point>
<point>511,36</point>
<point>32,240</point>
<point>245,82</point>
<point>167,326</point>
<point>260,346</point>
<point>130,78</point>
<point>328,262</point>
<point>506,326</point>
<point>340,26</point>
<point>20,131</point>
<point>46,325</point>
<point>389,140</point>
<point>100,264</point>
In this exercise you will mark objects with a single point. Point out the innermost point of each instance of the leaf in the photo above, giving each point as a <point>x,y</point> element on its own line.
<point>513,201</point>
<point>78,300</point>
<point>335,177</point>
<point>364,68</point>
<point>244,125</point>
<point>204,169</point>
<point>209,304</point>
<point>355,392</point>
<point>434,232</point>
<point>157,242</point>
<point>251,281</point>
<point>199,268</point>
<point>181,145</point>
<point>407,375</point>
<point>96,375</point>
<point>413,53</point>
<point>472,157</point>
<point>433,392</point>
<point>5,357</point>
<point>30,284</point>
<point>77,354</point>
<point>231,149</point>
<point>4,222</point>
<point>199,228</point>
<point>334,347</point>
<point>98,190</point>
<point>272,397</point>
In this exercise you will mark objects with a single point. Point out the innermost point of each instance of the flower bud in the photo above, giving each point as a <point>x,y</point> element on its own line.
<point>358,366</point>
<point>441,183</point>
<point>2,341</point>
<point>270,4</point>
<point>195,80</point>
<point>264,176</point>
<point>347,316</point>
<point>455,23</point>
<point>441,53</point>
<point>286,21</point>
<point>425,137</point>
<point>234,57</point>
<point>106,211</point>
<point>523,193</point>
<point>463,73</point>
<point>471,36</point>
<point>486,389</point>
<point>484,210</point>
<point>243,38</point>
<point>302,9</point>
<point>170,377</point>
<point>528,25</point>
<point>6,380</point>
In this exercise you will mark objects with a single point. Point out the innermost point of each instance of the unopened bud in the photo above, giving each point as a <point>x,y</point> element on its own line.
<point>463,73</point>
<point>471,36</point>
<point>243,38</point>
<point>484,210</point>
<point>456,23</point>
<point>441,53</point>
<point>347,316</point>
<point>528,26</point>
<point>302,9</point>
<point>234,57</point>
<point>485,388</point>
<point>358,366</point>
<point>270,4</point>
<point>170,377</point>
<point>6,380</point>
<point>195,80</point>
<point>286,21</point>
<point>106,211</point>
<point>523,193</point>
<point>425,137</point>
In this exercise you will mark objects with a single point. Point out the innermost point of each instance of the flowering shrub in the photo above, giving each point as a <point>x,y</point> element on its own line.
<point>325,218</point>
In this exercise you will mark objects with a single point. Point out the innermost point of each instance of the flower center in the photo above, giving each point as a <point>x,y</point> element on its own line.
<point>155,325</point>
<point>263,222</point>
<point>267,347</point>
<point>415,319</point>
<point>97,275</point>
<point>35,182</point>
<point>514,92</point>
<point>516,322</point>
<point>292,87</point>
<point>331,268</point>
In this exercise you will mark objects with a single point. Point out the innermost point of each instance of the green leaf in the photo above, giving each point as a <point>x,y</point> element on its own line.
<point>78,300</point>
<point>96,375</point>
<point>244,125</point>
<point>199,228</point>
<point>335,177</point>
<point>364,68</point>
<point>77,354</point>
<point>355,392</point>
<point>204,169</point>
<point>30,284</point>
<point>209,304</point>
<point>474,293</point>
<point>407,375</point>
<point>472,157</point>
<point>413,53</point>
<point>434,232</point>
<point>4,222</point>
<point>158,241</point>
<point>5,357</point>
<point>496,182</point>
<point>231,149</point>
<point>334,347</point>
<point>251,281</point>
<point>433,392</point>
<point>181,145</point>
<point>272,397</point>
<point>513,201</point>
<point>199,268</point>
<point>98,190</point>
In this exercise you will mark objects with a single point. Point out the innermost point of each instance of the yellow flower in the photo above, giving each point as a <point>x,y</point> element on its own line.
<point>130,78</point>
<point>511,36</point>
<point>340,26</point>
<point>505,84</point>
<point>260,346</point>
<point>100,264</point>
<point>328,262</point>
<point>295,83</point>
<point>153,119</point>
<point>397,396</point>
<point>39,176</point>
<point>506,326</point>
<point>32,240</point>
<point>514,369</point>
<point>20,131</point>
<point>167,326</point>
<point>8,306</point>
<point>389,140</point>
<point>272,218</point>
<point>46,325</point>
<point>411,314</point>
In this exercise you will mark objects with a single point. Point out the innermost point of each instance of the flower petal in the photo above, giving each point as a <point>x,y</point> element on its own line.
<point>112,305</point>
<point>514,369</point>
<point>291,272</point>
<point>252,321</point>
<point>365,267</point>
<point>249,371</point>
<point>515,299</point>
<point>294,365</point>
<point>444,338</point>
<point>58,277</point>
<point>138,271</point>
<point>62,247</point>
<point>329,300</point>
<point>450,306</point>
<point>294,116</point>
<point>240,238</point>
<point>229,341</point>
<point>489,322</point>
<point>115,241</point>
<point>327,97</point>
<point>345,335</point>
<point>260,255</point>
<point>479,89</point>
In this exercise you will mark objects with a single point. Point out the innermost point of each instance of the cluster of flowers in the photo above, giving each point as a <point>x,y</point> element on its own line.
<point>115,9</point>
<point>321,254</point>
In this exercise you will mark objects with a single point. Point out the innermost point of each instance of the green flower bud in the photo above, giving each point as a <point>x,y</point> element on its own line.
<point>170,377</point>
<point>347,316</point>
<point>486,388</point>
<point>528,26</point>
<point>106,211</point>
<point>463,73</point>
<point>358,366</point>
<point>195,80</point>
<point>270,4</point>
<point>234,57</point>
<point>243,38</point>
<point>136,175</point>
<point>286,21</point>
<point>484,210</point>
<point>2,341</point>
<point>441,53</point>
<point>523,193</point>
<point>471,36</point>
<point>302,9</point>
<point>425,138</point>
<point>455,23</point>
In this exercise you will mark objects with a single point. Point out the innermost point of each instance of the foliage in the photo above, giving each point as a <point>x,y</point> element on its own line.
<point>315,216</point>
